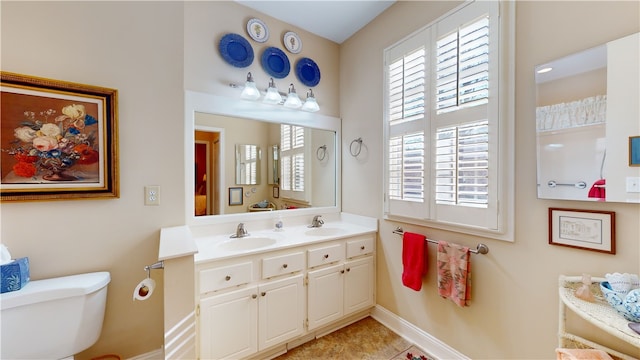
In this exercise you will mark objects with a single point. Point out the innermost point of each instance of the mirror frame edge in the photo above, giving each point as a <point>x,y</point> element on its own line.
<point>195,102</point>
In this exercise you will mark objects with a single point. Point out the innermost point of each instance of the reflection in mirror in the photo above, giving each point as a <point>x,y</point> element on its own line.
<point>583,102</point>
<point>248,164</point>
<point>243,140</point>
<point>273,165</point>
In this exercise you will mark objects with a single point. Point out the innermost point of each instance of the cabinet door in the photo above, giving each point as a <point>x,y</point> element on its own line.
<point>280,311</point>
<point>228,325</point>
<point>325,295</point>
<point>358,284</point>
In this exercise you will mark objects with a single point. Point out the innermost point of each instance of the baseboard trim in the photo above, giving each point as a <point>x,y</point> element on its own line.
<point>412,333</point>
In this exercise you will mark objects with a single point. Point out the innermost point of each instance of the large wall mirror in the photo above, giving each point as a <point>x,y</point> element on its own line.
<point>587,112</point>
<point>247,147</point>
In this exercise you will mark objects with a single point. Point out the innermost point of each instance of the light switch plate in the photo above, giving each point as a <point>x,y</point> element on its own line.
<point>633,184</point>
<point>152,195</point>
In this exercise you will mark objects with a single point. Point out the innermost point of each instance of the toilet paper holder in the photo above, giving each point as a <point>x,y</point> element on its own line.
<point>157,265</point>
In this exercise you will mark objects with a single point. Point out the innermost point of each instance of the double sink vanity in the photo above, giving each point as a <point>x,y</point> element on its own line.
<point>260,291</point>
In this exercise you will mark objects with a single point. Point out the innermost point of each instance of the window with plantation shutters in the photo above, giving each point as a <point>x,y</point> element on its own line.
<point>292,158</point>
<point>406,167</point>
<point>406,87</point>
<point>444,124</point>
<point>462,165</point>
<point>462,67</point>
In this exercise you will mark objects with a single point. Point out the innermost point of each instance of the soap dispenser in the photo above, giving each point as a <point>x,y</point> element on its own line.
<point>278,225</point>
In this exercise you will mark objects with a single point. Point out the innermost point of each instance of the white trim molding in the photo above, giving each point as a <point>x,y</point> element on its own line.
<point>417,336</point>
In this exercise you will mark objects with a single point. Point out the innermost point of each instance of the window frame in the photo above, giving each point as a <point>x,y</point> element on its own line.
<point>503,137</point>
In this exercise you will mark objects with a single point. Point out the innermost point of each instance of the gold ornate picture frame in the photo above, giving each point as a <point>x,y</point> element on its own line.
<point>59,140</point>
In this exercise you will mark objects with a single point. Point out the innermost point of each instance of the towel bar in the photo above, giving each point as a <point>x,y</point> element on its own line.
<point>480,249</point>
<point>580,184</point>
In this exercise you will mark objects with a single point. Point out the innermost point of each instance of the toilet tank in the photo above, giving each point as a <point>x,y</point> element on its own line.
<point>53,318</point>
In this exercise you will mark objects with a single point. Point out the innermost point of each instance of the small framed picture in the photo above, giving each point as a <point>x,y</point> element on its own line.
<point>276,192</point>
<point>634,150</point>
<point>583,229</point>
<point>235,196</point>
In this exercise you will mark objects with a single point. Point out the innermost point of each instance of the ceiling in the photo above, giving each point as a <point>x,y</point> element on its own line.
<point>330,19</point>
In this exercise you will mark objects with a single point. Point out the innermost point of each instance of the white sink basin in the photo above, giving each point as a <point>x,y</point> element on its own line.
<point>324,231</point>
<point>247,243</point>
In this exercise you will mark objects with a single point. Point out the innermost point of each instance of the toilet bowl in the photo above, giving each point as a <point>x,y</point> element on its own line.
<point>53,318</point>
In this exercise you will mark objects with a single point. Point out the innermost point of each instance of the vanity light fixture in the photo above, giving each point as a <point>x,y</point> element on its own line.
<point>250,91</point>
<point>293,101</point>
<point>545,70</point>
<point>310,104</point>
<point>273,95</point>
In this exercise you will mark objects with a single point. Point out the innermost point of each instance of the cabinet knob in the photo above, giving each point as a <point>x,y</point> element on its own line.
<point>341,271</point>
<point>263,293</point>
<point>227,278</point>
<point>348,269</point>
<point>362,247</point>
<point>254,296</point>
<point>326,256</point>
<point>284,265</point>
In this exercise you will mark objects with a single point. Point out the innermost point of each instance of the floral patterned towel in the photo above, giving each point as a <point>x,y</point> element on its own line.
<point>454,272</point>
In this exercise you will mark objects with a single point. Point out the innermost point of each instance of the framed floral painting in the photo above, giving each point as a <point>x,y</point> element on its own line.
<point>59,140</point>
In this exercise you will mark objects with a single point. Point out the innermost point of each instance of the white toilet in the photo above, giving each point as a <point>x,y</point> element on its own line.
<point>53,318</point>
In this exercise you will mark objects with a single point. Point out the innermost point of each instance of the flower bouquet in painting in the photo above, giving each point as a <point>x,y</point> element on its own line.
<point>54,146</point>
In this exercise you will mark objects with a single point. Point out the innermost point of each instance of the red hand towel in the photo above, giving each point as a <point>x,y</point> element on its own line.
<point>413,260</point>
<point>598,189</point>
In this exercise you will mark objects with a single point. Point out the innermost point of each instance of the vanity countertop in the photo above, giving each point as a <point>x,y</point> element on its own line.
<point>207,244</point>
<point>218,247</point>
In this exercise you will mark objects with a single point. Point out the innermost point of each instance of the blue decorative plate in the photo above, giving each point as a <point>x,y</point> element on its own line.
<point>236,50</point>
<point>308,72</point>
<point>275,62</point>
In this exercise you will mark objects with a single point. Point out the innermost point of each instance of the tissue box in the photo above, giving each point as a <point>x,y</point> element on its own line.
<point>14,275</point>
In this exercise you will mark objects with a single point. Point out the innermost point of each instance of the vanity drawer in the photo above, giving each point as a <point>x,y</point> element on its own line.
<point>326,255</point>
<point>360,246</point>
<point>225,277</point>
<point>282,264</point>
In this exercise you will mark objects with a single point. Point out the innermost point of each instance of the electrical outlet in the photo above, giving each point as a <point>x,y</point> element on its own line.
<point>152,195</point>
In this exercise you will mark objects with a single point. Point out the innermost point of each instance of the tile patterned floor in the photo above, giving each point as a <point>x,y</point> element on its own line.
<point>365,339</point>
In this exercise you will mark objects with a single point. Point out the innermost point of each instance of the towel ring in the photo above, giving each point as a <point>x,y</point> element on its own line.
<point>356,153</point>
<point>321,153</point>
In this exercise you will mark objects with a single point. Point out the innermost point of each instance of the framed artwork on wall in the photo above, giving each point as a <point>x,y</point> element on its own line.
<point>235,196</point>
<point>634,150</point>
<point>59,140</point>
<point>583,229</point>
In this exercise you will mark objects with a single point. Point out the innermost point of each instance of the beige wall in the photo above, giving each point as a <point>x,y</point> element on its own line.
<point>514,311</point>
<point>138,49</point>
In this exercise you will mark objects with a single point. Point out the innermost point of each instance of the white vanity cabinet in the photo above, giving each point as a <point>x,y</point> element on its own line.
<point>227,325</point>
<point>241,314</point>
<point>248,304</point>
<point>344,286</point>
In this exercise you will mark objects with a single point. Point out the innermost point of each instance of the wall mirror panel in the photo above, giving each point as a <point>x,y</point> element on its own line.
<point>586,112</point>
<point>227,143</point>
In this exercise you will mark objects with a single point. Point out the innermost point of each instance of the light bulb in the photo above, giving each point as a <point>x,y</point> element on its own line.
<point>250,91</point>
<point>311,104</point>
<point>272,96</point>
<point>293,101</point>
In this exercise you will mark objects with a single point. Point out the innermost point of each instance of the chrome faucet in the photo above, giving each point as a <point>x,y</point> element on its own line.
<point>316,222</point>
<point>240,232</point>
